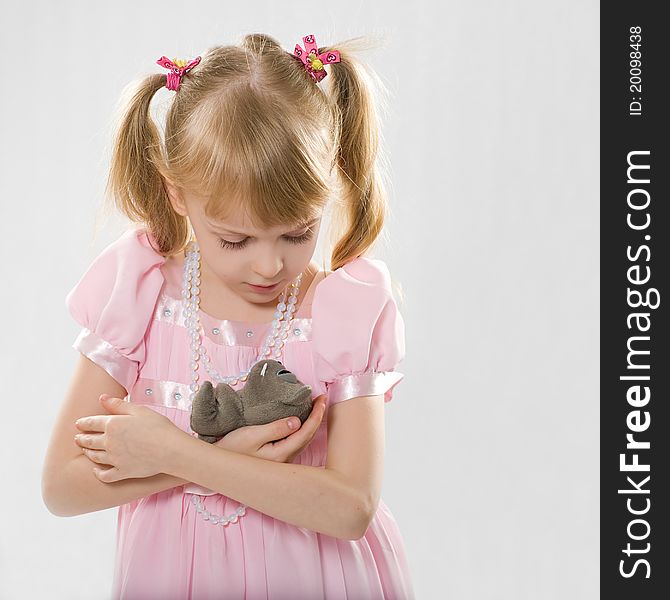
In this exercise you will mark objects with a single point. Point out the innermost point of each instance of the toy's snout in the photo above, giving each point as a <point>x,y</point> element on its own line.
<point>287,376</point>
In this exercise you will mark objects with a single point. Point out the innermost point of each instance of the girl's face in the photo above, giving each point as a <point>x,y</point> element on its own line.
<point>236,255</point>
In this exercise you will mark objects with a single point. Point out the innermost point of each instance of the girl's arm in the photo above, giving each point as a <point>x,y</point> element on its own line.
<point>69,486</point>
<point>79,491</point>
<point>338,500</point>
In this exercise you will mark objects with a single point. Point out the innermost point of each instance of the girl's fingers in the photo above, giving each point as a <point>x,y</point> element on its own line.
<point>309,427</point>
<point>96,456</point>
<point>90,440</point>
<point>110,475</point>
<point>92,423</point>
<point>291,444</point>
<point>315,415</point>
<point>320,408</point>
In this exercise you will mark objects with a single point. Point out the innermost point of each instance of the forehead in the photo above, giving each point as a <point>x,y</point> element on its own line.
<point>244,226</point>
<point>236,221</point>
<point>236,217</point>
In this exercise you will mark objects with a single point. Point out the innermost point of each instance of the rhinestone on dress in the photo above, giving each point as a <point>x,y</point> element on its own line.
<point>167,312</point>
<point>216,331</point>
<point>250,333</point>
<point>296,331</point>
<point>148,391</point>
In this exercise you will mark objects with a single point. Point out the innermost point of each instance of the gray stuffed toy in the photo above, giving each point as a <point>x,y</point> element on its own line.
<point>271,392</point>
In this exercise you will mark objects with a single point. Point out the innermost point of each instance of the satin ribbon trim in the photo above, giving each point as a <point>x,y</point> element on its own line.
<point>102,353</point>
<point>170,394</point>
<point>231,333</point>
<point>364,384</point>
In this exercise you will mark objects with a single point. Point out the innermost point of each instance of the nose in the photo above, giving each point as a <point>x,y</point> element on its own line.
<point>287,376</point>
<point>267,266</point>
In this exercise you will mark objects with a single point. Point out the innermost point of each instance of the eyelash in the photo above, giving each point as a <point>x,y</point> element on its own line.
<point>300,239</point>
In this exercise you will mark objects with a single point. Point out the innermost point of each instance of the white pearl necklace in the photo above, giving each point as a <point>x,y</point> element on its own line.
<point>273,347</point>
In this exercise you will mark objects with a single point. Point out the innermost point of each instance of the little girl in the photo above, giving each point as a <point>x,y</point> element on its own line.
<point>218,276</point>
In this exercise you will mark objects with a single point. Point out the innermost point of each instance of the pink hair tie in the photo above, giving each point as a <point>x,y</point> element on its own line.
<point>312,60</point>
<point>178,68</point>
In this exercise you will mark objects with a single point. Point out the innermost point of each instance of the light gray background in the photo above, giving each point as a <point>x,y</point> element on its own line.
<point>492,438</point>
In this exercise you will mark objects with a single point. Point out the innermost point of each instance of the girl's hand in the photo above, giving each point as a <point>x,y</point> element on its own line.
<point>257,440</point>
<point>134,441</point>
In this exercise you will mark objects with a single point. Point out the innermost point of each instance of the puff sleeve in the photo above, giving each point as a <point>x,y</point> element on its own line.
<point>114,302</point>
<point>357,331</point>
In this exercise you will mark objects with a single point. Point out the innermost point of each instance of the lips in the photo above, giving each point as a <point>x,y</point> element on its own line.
<point>267,288</point>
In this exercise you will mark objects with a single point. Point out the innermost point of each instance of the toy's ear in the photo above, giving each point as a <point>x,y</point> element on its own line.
<point>205,393</point>
<point>225,393</point>
<point>228,397</point>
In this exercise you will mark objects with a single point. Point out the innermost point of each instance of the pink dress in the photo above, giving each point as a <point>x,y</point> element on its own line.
<point>128,303</point>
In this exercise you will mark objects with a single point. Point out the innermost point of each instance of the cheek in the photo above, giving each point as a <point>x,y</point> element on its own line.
<point>298,257</point>
<point>224,265</point>
<point>301,254</point>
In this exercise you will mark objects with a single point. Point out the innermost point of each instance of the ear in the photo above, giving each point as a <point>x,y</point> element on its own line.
<point>227,396</point>
<point>175,197</point>
<point>224,392</point>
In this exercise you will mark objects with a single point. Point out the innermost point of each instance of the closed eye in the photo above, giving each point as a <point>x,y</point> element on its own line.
<point>300,239</point>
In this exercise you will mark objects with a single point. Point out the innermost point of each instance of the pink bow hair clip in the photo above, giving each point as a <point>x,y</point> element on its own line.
<point>312,60</point>
<point>178,68</point>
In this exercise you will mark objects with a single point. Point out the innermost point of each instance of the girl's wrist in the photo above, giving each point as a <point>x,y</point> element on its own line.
<point>175,450</point>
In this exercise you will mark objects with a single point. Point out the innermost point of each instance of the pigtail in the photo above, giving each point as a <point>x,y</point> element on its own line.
<point>134,181</point>
<point>363,198</point>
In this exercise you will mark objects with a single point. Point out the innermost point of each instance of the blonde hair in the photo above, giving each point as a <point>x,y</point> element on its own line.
<point>249,128</point>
